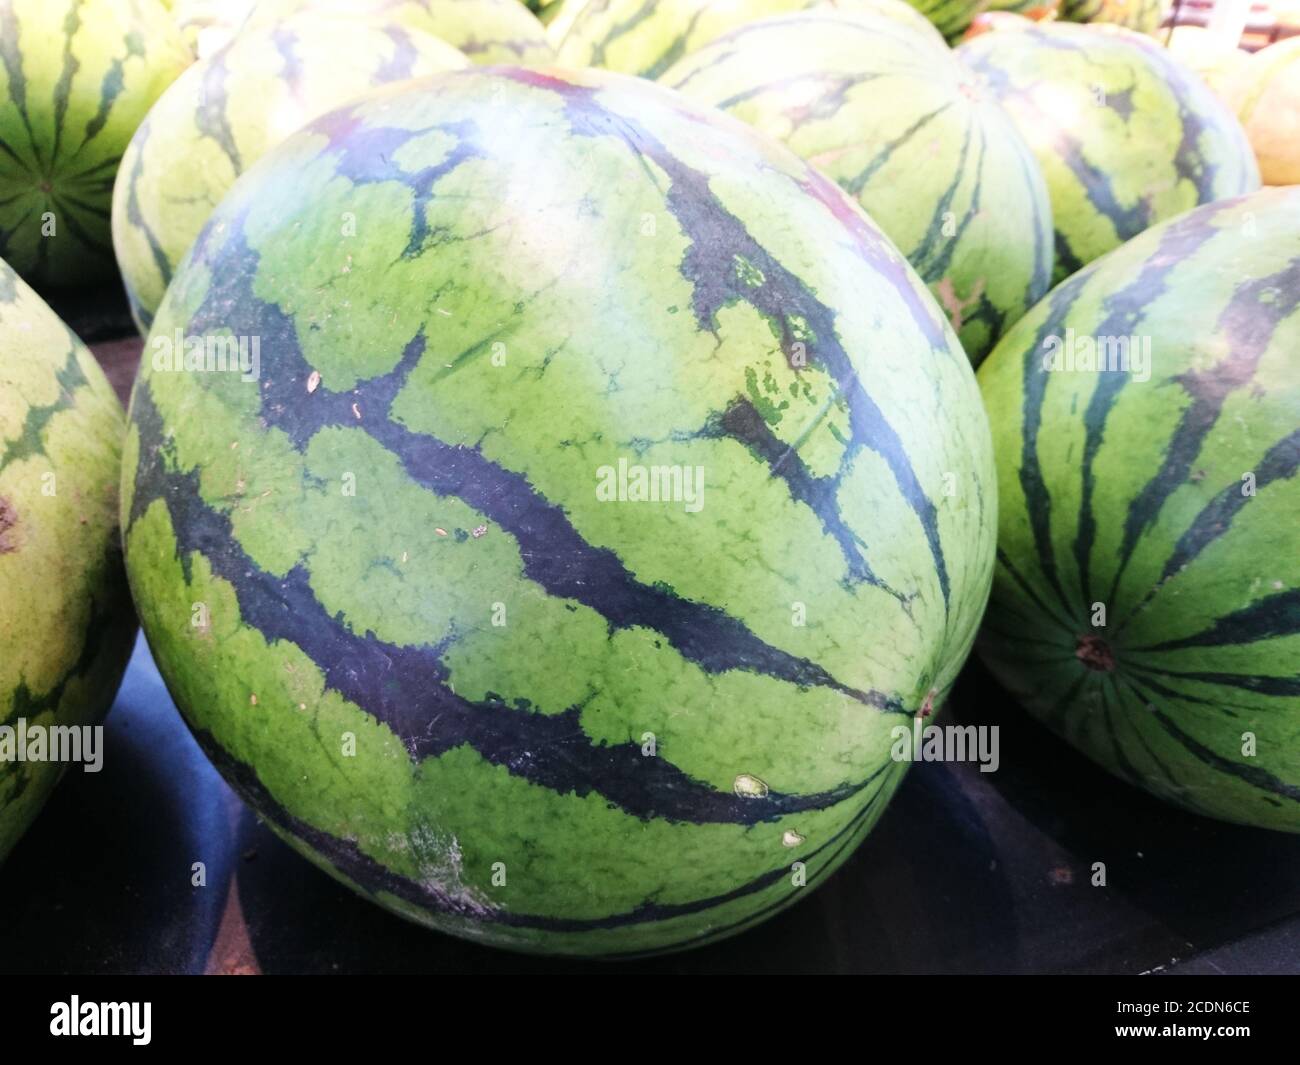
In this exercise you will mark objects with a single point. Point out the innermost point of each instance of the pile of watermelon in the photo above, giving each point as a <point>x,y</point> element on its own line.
<point>558,469</point>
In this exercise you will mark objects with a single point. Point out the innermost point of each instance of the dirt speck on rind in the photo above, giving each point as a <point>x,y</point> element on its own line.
<point>8,527</point>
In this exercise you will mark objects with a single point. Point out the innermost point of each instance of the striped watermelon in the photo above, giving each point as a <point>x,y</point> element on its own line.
<point>487,31</point>
<point>208,25</point>
<point>582,722</point>
<point>226,111</point>
<point>903,126</point>
<point>1035,10</point>
<point>76,78</point>
<point>545,10</point>
<point>950,17</point>
<point>646,39</point>
<point>66,625</point>
<point>1126,136</point>
<point>1173,503</point>
<point>1266,92</point>
<point>1144,16</point>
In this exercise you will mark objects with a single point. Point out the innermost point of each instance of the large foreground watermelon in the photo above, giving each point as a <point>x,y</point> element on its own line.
<point>1147,598</point>
<point>904,127</point>
<point>66,626</point>
<point>1125,134</point>
<point>76,78</point>
<point>590,518</point>
<point>636,37</point>
<point>227,111</point>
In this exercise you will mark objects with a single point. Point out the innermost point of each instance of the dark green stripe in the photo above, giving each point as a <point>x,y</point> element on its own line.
<point>1124,311</point>
<point>409,689</point>
<point>1265,619</point>
<point>1263,685</point>
<point>617,30</point>
<point>12,57</point>
<point>63,86</point>
<point>1255,776</point>
<point>137,220</point>
<point>1132,718</point>
<point>854,185</point>
<point>1247,326</point>
<point>212,117</point>
<point>29,442</point>
<point>742,422</point>
<point>1064,620</point>
<point>1218,705</point>
<point>1280,462</point>
<point>718,240</point>
<point>1038,499</point>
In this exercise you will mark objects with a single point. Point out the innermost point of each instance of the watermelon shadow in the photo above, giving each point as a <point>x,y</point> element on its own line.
<point>100,883</point>
<point>1176,883</point>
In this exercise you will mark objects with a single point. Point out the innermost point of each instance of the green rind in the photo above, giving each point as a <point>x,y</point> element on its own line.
<point>76,78</point>
<point>1133,494</point>
<point>903,127</point>
<point>557,272</point>
<point>950,17</point>
<point>1144,16</point>
<point>1126,136</point>
<point>66,625</point>
<point>646,37</point>
<point>1041,9</point>
<point>225,112</point>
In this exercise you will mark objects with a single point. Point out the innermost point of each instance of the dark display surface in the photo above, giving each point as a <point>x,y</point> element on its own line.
<point>966,872</point>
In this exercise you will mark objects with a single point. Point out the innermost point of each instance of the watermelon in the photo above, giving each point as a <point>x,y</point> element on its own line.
<point>1126,136</point>
<point>487,31</point>
<point>226,112</point>
<point>66,625</point>
<point>1266,92</point>
<point>1147,599</point>
<point>76,78</point>
<point>950,17</point>
<point>598,512</point>
<point>208,25</point>
<point>881,109</point>
<point>646,39</point>
<point>1142,16</point>
<point>545,10</point>
<point>1034,10</point>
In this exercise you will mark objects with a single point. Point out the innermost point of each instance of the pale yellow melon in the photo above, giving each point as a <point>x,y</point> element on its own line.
<point>1266,94</point>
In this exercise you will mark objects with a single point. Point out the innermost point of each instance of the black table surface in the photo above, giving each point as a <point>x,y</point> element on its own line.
<point>967,872</point>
